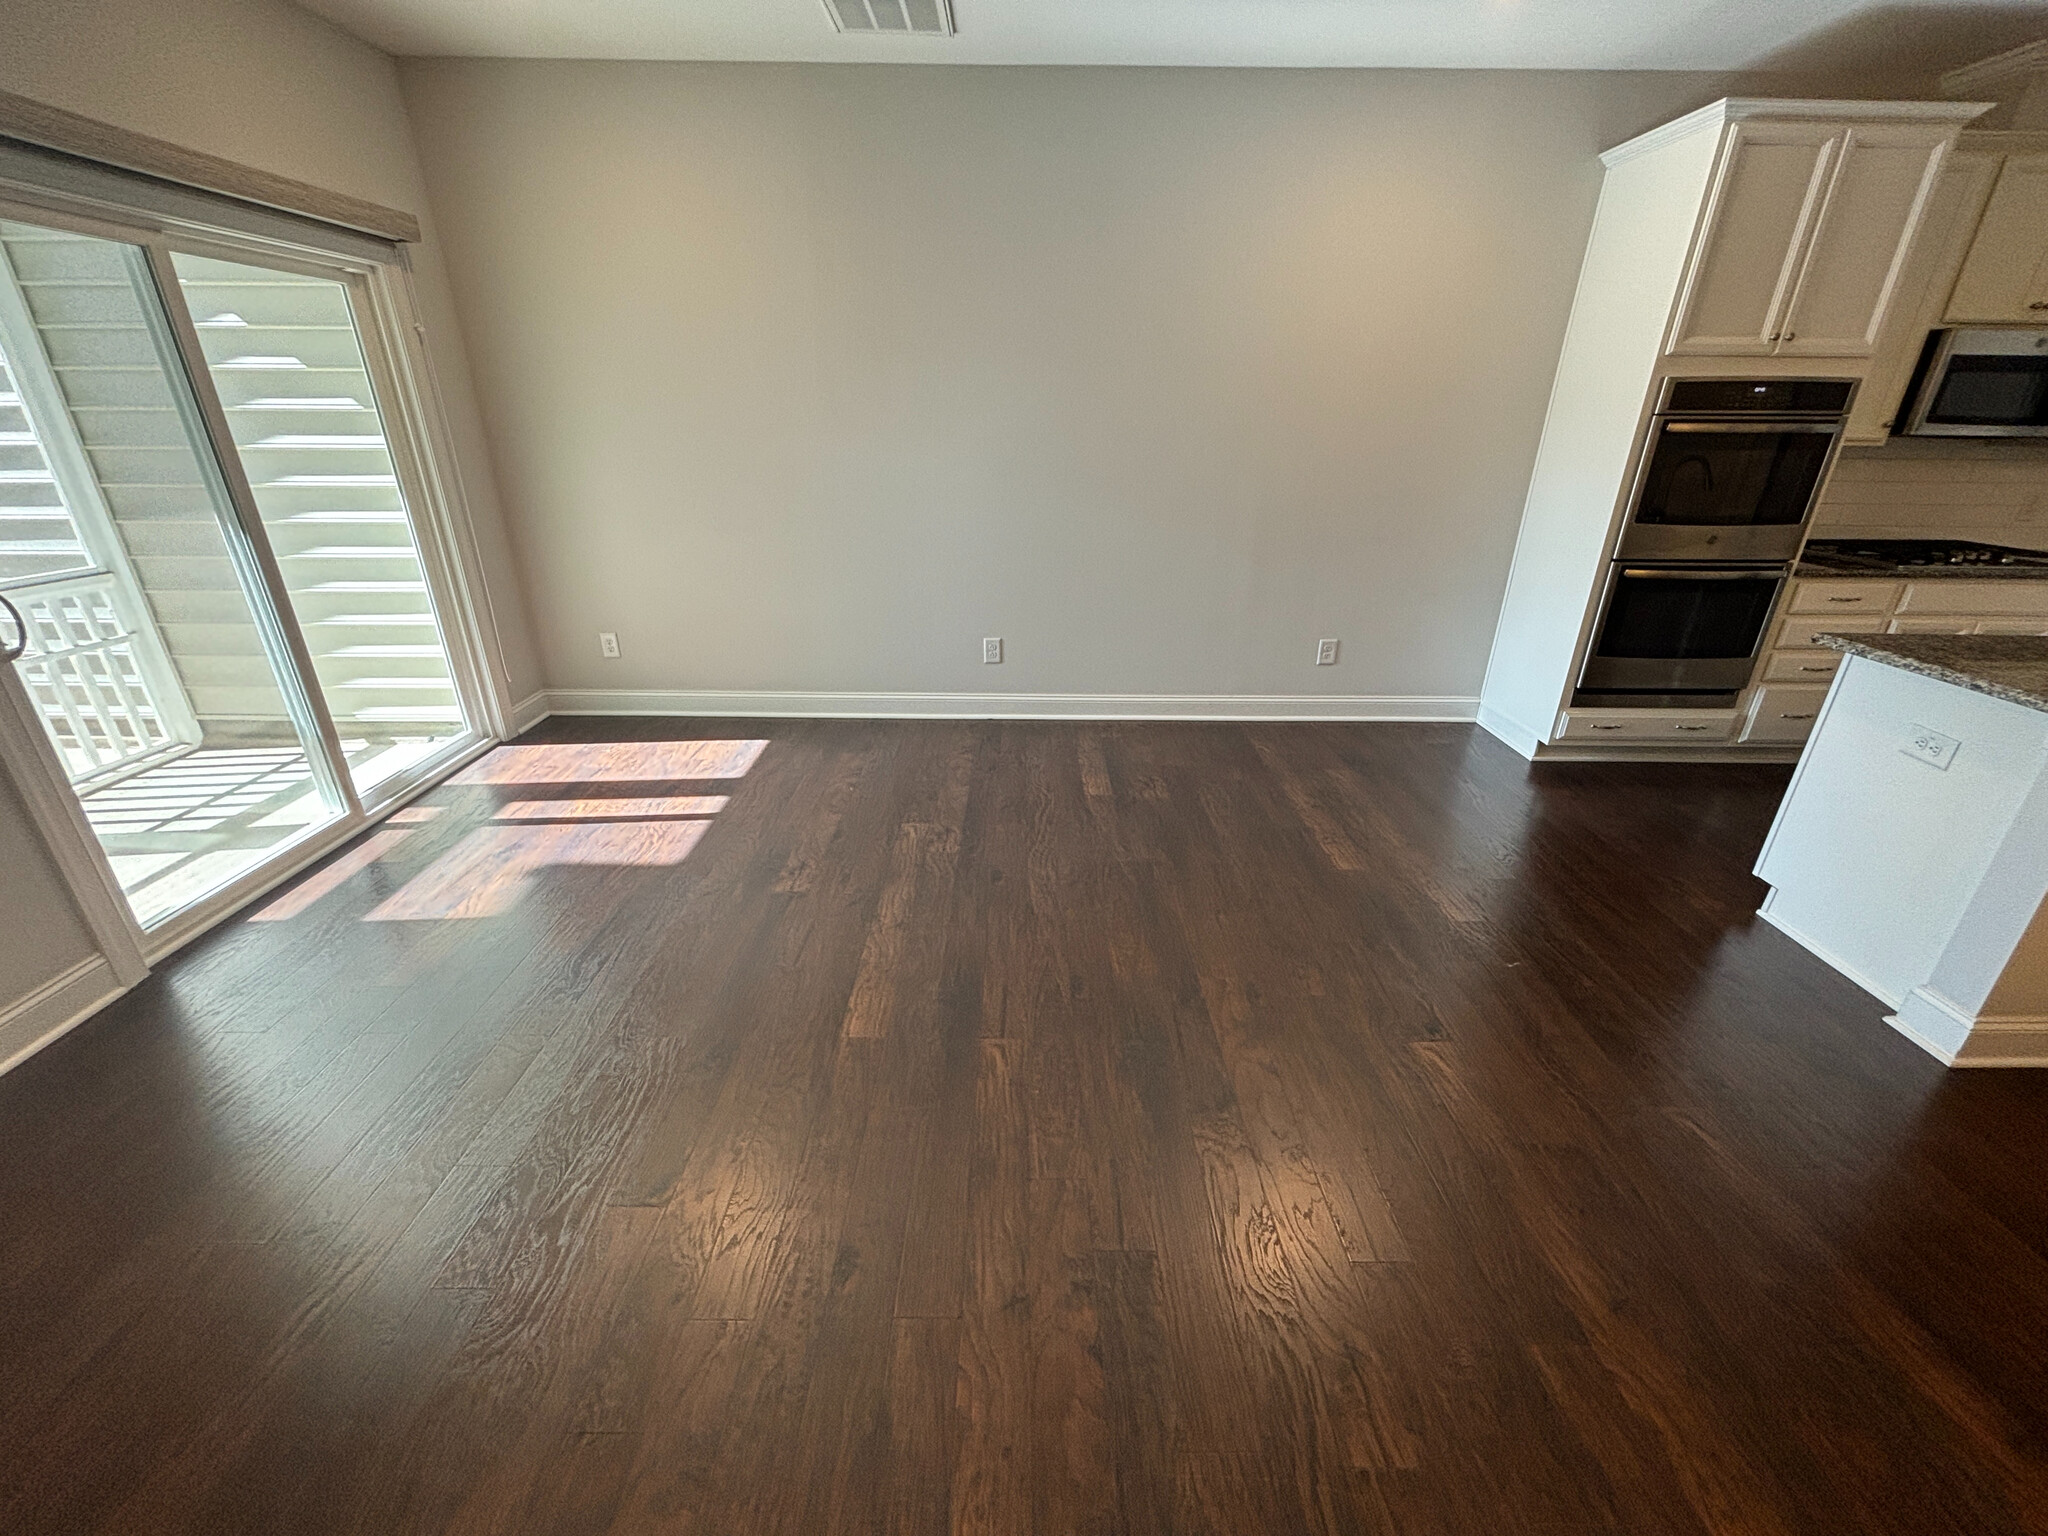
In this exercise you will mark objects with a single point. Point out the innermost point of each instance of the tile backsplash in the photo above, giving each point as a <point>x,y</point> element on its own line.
<point>1994,492</point>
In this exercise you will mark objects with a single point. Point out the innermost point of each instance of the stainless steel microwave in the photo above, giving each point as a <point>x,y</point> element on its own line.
<point>1981,382</point>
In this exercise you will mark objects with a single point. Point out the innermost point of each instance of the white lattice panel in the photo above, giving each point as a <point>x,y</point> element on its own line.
<point>82,671</point>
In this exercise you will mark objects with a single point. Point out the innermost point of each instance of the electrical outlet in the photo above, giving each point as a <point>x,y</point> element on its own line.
<point>1930,747</point>
<point>991,650</point>
<point>1326,653</point>
<point>608,644</point>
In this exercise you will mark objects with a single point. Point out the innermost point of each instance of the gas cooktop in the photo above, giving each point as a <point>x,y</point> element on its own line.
<point>1916,554</point>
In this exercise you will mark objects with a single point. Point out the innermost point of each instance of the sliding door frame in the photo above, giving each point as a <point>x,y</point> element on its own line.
<point>249,551</point>
<point>408,397</point>
<point>392,340</point>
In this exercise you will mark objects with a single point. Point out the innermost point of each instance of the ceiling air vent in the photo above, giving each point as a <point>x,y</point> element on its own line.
<point>925,18</point>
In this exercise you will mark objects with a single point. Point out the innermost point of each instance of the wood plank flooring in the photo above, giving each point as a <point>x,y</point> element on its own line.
<point>1013,1128</point>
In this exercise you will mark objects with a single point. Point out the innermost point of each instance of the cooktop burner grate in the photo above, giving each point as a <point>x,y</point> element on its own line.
<point>1906,554</point>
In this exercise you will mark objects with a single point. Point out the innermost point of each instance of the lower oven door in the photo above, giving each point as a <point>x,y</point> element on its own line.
<point>1679,628</point>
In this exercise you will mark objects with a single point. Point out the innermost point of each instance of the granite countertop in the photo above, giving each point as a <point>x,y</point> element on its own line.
<point>1813,568</point>
<point>2009,667</point>
<point>1917,558</point>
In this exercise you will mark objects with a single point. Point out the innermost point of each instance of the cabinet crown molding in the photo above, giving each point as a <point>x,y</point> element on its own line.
<point>1985,74</point>
<point>2003,141</point>
<point>1733,109</point>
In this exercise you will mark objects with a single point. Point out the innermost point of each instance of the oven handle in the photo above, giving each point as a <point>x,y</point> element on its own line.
<point>1667,574</point>
<point>1752,427</point>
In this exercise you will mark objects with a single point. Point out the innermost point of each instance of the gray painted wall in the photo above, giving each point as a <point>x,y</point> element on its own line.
<point>808,377</point>
<point>41,933</point>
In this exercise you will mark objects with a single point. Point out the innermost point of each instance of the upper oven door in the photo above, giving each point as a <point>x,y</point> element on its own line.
<point>1726,490</point>
<point>1984,383</point>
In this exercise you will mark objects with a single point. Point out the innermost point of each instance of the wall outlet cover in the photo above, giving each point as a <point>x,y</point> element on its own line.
<point>608,644</point>
<point>1326,653</point>
<point>991,650</point>
<point>1930,747</point>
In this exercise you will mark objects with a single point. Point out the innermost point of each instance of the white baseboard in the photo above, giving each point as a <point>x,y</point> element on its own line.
<point>1823,953</point>
<point>1933,1023</point>
<point>1513,732</point>
<point>2006,1040</point>
<point>530,711</point>
<point>62,1003</point>
<point>1009,706</point>
<point>1650,752</point>
<point>1940,1027</point>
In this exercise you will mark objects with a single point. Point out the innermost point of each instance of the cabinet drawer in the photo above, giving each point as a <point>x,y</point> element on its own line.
<point>1783,714</point>
<point>1801,631</point>
<point>1815,666</point>
<point>1702,725</point>
<point>1843,597</point>
<point>1933,624</point>
<point>1961,595</point>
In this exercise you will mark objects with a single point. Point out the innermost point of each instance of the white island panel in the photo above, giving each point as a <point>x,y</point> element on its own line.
<point>1876,855</point>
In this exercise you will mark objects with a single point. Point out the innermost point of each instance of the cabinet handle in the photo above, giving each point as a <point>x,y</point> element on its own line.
<point>1606,727</point>
<point>1688,727</point>
<point>1828,668</point>
<point>1790,337</point>
<point>1845,599</point>
<point>2039,304</point>
<point>1796,717</point>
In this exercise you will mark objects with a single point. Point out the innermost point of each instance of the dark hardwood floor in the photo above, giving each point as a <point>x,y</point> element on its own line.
<point>1011,1128</point>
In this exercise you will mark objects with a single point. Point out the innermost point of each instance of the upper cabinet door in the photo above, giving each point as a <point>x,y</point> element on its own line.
<point>2005,278</point>
<point>1946,228</point>
<point>1884,174</point>
<point>1773,178</point>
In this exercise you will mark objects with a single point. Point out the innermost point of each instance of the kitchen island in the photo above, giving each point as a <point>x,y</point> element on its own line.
<point>1911,850</point>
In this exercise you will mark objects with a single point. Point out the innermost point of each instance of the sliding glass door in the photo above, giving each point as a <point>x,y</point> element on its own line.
<point>286,363</point>
<point>230,640</point>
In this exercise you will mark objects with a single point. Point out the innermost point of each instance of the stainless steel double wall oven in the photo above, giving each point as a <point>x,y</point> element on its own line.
<point>1724,485</point>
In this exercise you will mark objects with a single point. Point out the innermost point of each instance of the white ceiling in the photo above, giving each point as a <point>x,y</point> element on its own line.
<point>1460,34</point>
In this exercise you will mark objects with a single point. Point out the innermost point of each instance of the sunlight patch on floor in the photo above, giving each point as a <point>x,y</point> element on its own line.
<point>657,808</point>
<point>613,762</point>
<point>489,871</point>
<point>491,868</point>
<point>297,898</point>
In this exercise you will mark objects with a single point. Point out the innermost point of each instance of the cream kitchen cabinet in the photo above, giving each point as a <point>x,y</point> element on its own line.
<point>1782,716</point>
<point>1959,595</point>
<point>2004,280</point>
<point>1794,670</point>
<point>1806,234</point>
<point>1843,597</point>
<point>1717,235</point>
<point>1698,727</point>
<point>1946,231</point>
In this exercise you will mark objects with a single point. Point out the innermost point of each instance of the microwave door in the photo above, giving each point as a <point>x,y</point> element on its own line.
<point>1991,396</point>
<point>1981,382</point>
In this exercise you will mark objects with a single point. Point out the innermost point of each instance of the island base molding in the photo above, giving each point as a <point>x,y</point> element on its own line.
<point>1956,1038</point>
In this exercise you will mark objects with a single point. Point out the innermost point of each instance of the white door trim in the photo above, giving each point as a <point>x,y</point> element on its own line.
<point>59,816</point>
